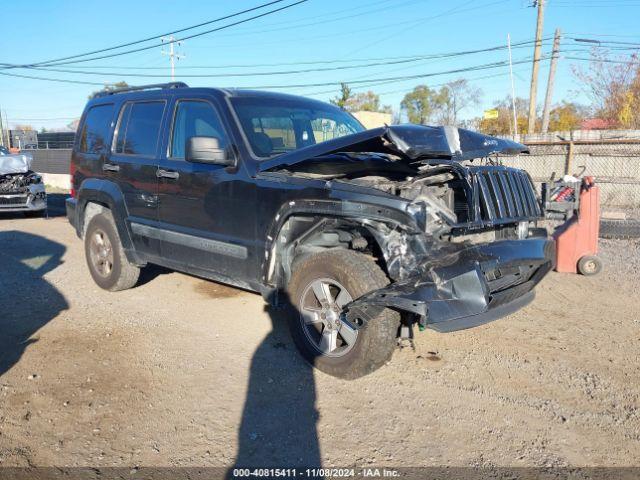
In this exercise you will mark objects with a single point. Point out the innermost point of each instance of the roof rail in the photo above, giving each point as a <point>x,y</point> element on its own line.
<point>170,85</point>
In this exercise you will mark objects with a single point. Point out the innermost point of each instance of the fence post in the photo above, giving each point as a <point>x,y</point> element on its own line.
<point>569,162</point>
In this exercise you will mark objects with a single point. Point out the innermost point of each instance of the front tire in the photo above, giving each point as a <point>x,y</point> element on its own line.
<point>321,284</point>
<point>105,256</point>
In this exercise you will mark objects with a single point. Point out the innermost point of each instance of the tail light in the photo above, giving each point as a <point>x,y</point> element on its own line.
<point>72,173</point>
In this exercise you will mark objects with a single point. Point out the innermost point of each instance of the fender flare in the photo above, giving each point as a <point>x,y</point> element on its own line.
<point>329,208</point>
<point>105,192</point>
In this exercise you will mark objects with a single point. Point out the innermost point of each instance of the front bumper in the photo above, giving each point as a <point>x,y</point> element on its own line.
<point>33,199</point>
<point>465,286</point>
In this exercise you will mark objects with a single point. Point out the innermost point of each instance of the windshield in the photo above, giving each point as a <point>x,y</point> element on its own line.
<point>274,126</point>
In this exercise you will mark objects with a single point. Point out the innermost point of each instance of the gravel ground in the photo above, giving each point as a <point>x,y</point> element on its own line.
<point>184,372</point>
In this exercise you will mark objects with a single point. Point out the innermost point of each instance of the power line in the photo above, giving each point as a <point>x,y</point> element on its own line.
<point>397,78</point>
<point>289,72</point>
<point>141,49</point>
<point>326,84</point>
<point>315,21</point>
<point>370,82</point>
<point>61,80</point>
<point>155,37</point>
<point>42,119</point>
<point>394,59</point>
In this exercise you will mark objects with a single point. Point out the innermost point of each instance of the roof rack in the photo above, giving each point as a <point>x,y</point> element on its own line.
<point>170,85</point>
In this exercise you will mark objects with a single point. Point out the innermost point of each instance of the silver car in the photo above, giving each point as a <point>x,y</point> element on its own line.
<point>21,189</point>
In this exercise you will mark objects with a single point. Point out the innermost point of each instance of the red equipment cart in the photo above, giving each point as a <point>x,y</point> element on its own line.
<point>577,239</point>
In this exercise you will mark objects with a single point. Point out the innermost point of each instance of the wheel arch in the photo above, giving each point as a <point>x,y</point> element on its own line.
<point>307,226</point>
<point>94,197</point>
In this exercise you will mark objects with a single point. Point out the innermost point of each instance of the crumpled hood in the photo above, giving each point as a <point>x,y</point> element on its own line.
<point>18,163</point>
<point>410,142</point>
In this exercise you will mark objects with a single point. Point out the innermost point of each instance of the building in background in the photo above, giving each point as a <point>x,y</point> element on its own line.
<point>373,119</point>
<point>56,139</point>
<point>23,139</point>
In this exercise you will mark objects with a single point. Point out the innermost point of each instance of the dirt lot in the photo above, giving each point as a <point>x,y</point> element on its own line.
<point>184,372</point>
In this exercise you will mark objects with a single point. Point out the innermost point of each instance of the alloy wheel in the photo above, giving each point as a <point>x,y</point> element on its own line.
<point>320,307</point>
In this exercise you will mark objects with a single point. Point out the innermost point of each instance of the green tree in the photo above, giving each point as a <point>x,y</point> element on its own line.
<point>503,125</point>
<point>364,101</point>
<point>566,116</point>
<point>419,104</point>
<point>342,99</point>
<point>367,101</point>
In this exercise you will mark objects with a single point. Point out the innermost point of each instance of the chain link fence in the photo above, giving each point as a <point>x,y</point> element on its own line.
<point>615,164</point>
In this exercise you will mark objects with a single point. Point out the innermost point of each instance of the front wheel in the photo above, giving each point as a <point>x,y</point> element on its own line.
<point>320,286</point>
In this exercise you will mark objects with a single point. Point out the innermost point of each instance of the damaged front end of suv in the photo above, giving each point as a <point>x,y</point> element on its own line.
<point>21,189</point>
<point>455,232</point>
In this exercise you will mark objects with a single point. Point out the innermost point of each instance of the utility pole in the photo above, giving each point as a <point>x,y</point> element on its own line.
<point>536,67</point>
<point>6,126</point>
<point>1,129</point>
<point>513,90</point>
<point>172,54</point>
<point>550,83</point>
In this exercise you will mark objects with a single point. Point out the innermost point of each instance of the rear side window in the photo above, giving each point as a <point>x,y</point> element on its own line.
<point>139,128</point>
<point>94,136</point>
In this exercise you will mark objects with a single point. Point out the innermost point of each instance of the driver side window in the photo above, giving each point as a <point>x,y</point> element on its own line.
<point>195,118</point>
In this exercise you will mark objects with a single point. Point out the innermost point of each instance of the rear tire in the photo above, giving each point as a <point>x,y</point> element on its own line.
<point>105,256</point>
<point>341,276</point>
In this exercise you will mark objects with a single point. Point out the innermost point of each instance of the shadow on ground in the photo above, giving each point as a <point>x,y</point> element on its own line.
<point>278,427</point>
<point>27,300</point>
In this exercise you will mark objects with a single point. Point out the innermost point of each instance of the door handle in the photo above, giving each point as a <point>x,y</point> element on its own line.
<point>160,173</point>
<point>110,167</point>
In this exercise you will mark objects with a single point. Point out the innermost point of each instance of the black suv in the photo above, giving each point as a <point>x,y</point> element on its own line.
<point>364,234</point>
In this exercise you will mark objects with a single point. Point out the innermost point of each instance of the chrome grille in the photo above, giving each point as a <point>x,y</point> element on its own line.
<point>505,194</point>
<point>12,200</point>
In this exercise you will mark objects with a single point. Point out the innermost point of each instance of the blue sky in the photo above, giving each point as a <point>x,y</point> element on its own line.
<point>350,32</point>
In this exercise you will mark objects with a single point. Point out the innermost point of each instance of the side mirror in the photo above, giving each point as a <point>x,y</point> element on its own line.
<point>207,150</point>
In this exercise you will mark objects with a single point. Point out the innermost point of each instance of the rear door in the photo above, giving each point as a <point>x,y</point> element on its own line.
<point>92,145</point>
<point>133,164</point>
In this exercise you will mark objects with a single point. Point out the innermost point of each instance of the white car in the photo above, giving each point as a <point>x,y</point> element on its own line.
<point>21,189</point>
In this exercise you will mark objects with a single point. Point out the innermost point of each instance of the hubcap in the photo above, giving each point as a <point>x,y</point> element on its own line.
<point>320,307</point>
<point>101,253</point>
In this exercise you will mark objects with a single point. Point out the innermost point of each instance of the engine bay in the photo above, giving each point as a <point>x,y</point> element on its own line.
<point>455,198</point>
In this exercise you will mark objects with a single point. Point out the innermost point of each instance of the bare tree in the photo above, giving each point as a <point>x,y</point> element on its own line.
<point>453,98</point>
<point>613,86</point>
